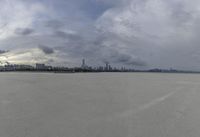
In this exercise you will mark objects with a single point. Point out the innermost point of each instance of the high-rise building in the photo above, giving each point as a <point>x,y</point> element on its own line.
<point>107,66</point>
<point>83,64</point>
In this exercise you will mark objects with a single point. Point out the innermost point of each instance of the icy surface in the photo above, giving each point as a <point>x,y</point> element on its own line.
<point>99,105</point>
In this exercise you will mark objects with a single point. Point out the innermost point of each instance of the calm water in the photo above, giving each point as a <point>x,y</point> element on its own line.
<point>99,105</point>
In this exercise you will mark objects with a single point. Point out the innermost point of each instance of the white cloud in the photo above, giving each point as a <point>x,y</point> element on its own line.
<point>155,29</point>
<point>17,14</point>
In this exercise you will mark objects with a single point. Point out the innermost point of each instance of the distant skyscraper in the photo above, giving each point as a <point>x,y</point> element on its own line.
<point>83,64</point>
<point>107,66</point>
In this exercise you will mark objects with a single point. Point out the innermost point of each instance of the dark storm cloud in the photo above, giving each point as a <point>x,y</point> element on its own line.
<point>117,57</point>
<point>71,36</point>
<point>128,60</point>
<point>46,49</point>
<point>54,24</point>
<point>50,61</point>
<point>24,31</point>
<point>94,9</point>
<point>3,51</point>
<point>60,34</point>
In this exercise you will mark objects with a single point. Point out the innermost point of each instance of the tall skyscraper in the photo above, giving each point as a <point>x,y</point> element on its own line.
<point>107,66</point>
<point>83,64</point>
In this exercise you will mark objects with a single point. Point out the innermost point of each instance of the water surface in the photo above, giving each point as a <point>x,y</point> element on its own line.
<point>99,105</point>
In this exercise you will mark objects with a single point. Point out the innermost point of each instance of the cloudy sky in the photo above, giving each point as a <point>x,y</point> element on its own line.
<point>133,33</point>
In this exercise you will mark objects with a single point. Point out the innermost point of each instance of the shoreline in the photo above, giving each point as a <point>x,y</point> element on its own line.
<point>67,72</point>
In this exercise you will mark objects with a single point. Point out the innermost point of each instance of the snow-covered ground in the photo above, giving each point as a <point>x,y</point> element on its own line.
<point>99,105</point>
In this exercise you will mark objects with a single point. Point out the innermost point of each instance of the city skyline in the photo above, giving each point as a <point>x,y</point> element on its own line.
<point>83,67</point>
<point>41,66</point>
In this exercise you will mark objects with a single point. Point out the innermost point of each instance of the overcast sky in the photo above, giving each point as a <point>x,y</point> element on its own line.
<point>133,33</point>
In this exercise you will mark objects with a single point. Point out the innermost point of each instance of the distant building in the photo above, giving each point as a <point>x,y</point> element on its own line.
<point>24,67</point>
<point>107,66</point>
<point>40,66</point>
<point>43,67</point>
<point>15,67</point>
<point>83,65</point>
<point>2,68</point>
<point>10,67</point>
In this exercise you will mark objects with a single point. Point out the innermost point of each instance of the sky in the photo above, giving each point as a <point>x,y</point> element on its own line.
<point>133,33</point>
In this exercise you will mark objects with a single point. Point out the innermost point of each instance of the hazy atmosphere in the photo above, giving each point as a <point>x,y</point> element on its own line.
<point>134,33</point>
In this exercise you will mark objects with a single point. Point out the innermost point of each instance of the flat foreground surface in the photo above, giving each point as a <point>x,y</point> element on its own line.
<point>99,105</point>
